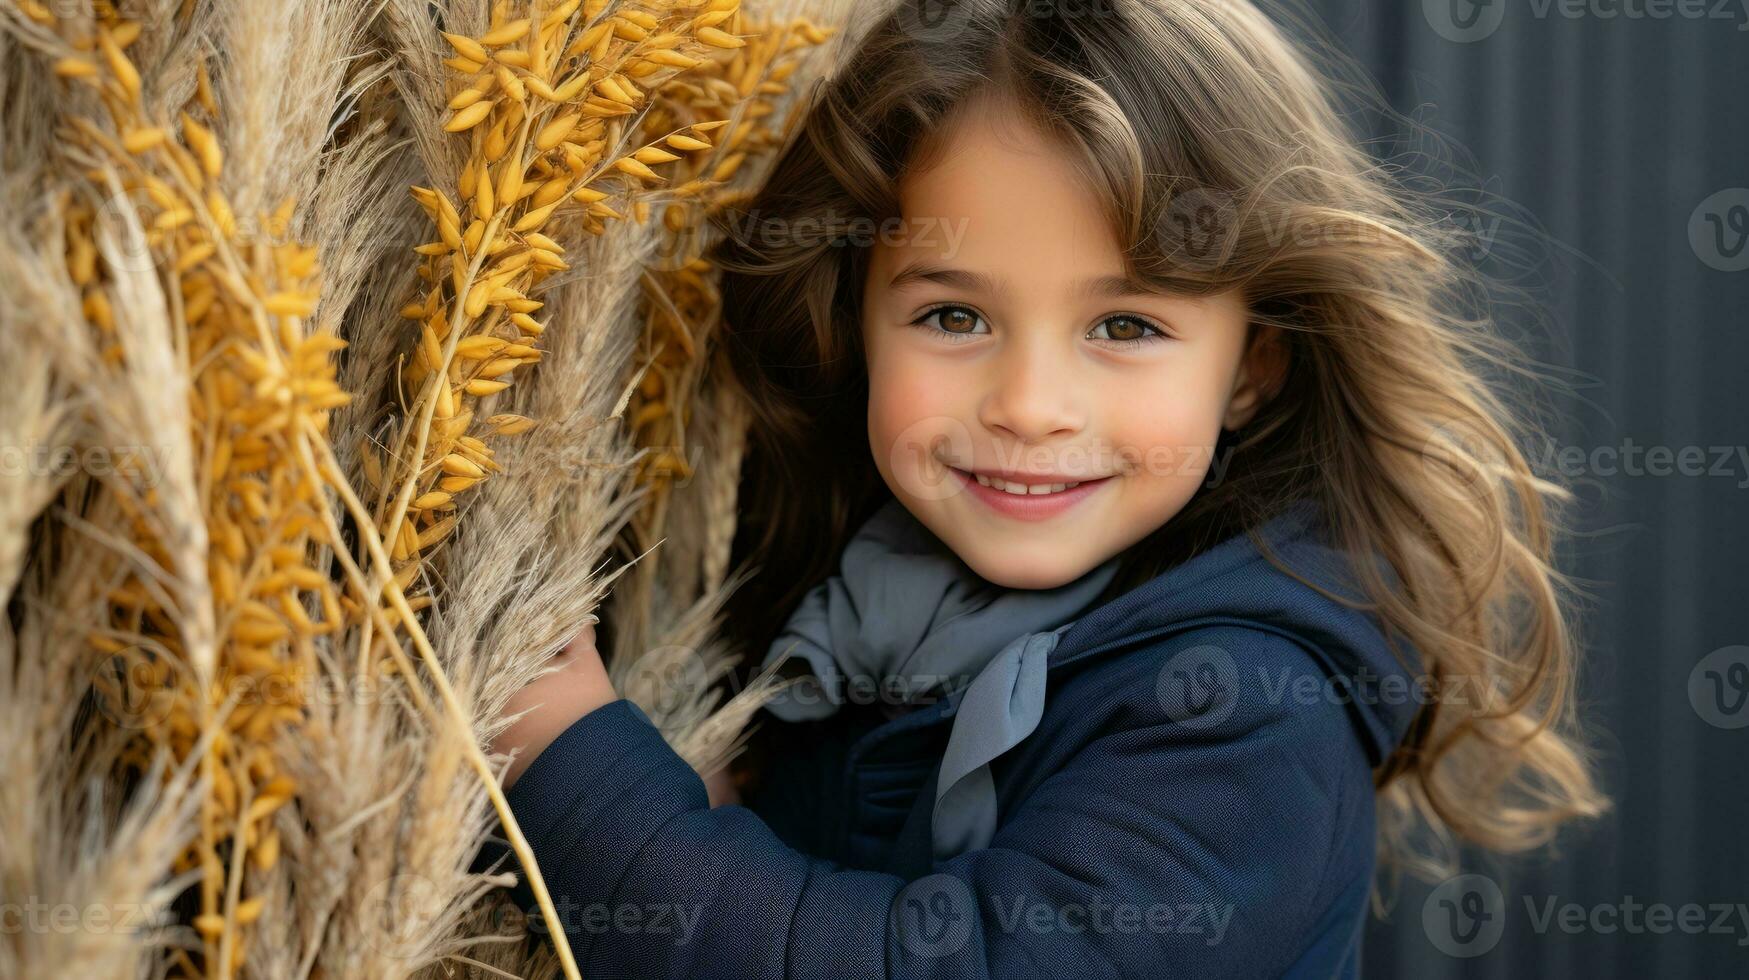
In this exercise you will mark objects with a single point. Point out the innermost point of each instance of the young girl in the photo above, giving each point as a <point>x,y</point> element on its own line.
<point>1128,498</point>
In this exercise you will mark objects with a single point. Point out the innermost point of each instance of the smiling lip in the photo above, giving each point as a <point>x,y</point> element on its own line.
<point>1031,506</point>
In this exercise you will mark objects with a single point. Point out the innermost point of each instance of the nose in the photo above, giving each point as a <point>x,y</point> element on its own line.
<point>1031,394</point>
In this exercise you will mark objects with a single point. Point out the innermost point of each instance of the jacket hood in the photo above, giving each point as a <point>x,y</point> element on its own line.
<point>1235,581</point>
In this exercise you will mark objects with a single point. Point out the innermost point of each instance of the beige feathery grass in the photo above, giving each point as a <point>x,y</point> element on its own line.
<point>229,569</point>
<point>541,98</point>
<point>68,840</point>
<point>666,657</point>
<point>191,633</point>
<point>257,382</point>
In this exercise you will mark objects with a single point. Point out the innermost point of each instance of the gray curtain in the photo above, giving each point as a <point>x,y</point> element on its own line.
<point>1625,139</point>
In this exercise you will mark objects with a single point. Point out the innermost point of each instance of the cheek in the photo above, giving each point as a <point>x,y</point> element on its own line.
<point>1168,428</point>
<point>907,410</point>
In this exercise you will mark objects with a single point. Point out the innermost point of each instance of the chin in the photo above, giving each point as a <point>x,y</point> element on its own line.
<point>1012,571</point>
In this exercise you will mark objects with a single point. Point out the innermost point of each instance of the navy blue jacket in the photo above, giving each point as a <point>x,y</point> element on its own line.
<point>1197,801</point>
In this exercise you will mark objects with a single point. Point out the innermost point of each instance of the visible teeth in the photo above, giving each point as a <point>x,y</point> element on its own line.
<point>1021,489</point>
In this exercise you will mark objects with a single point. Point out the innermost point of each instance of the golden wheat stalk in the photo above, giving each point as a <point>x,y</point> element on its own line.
<point>541,141</point>
<point>232,574</point>
<point>260,389</point>
<point>689,428</point>
<point>487,267</point>
<point>543,99</point>
<point>257,382</point>
<point>69,842</point>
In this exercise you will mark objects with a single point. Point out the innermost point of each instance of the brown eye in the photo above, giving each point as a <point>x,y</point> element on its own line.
<point>954,318</point>
<point>1128,330</point>
<point>956,322</point>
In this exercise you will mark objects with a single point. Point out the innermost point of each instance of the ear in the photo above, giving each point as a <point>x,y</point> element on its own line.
<point>1261,372</point>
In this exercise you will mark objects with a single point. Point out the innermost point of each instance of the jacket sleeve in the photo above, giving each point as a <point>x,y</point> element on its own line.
<point>1191,839</point>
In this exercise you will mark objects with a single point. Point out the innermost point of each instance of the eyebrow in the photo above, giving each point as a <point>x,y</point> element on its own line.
<point>1111,287</point>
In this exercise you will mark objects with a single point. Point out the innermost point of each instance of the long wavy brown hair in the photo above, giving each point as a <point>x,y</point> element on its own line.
<point>1219,148</point>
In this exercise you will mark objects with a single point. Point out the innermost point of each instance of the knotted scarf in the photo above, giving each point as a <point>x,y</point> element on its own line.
<point>906,621</point>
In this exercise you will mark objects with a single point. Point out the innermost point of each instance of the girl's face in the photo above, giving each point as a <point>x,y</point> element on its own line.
<point>1003,340</point>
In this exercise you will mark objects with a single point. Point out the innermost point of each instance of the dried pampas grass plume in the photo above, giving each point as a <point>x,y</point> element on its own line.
<point>689,427</point>
<point>210,588</point>
<point>350,464</point>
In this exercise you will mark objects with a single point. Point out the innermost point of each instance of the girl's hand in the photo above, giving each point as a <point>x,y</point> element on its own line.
<point>558,699</point>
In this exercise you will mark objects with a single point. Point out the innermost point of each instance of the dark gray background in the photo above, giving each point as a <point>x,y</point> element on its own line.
<point>1608,133</point>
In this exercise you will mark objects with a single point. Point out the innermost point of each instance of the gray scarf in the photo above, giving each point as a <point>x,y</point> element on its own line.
<point>905,620</point>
